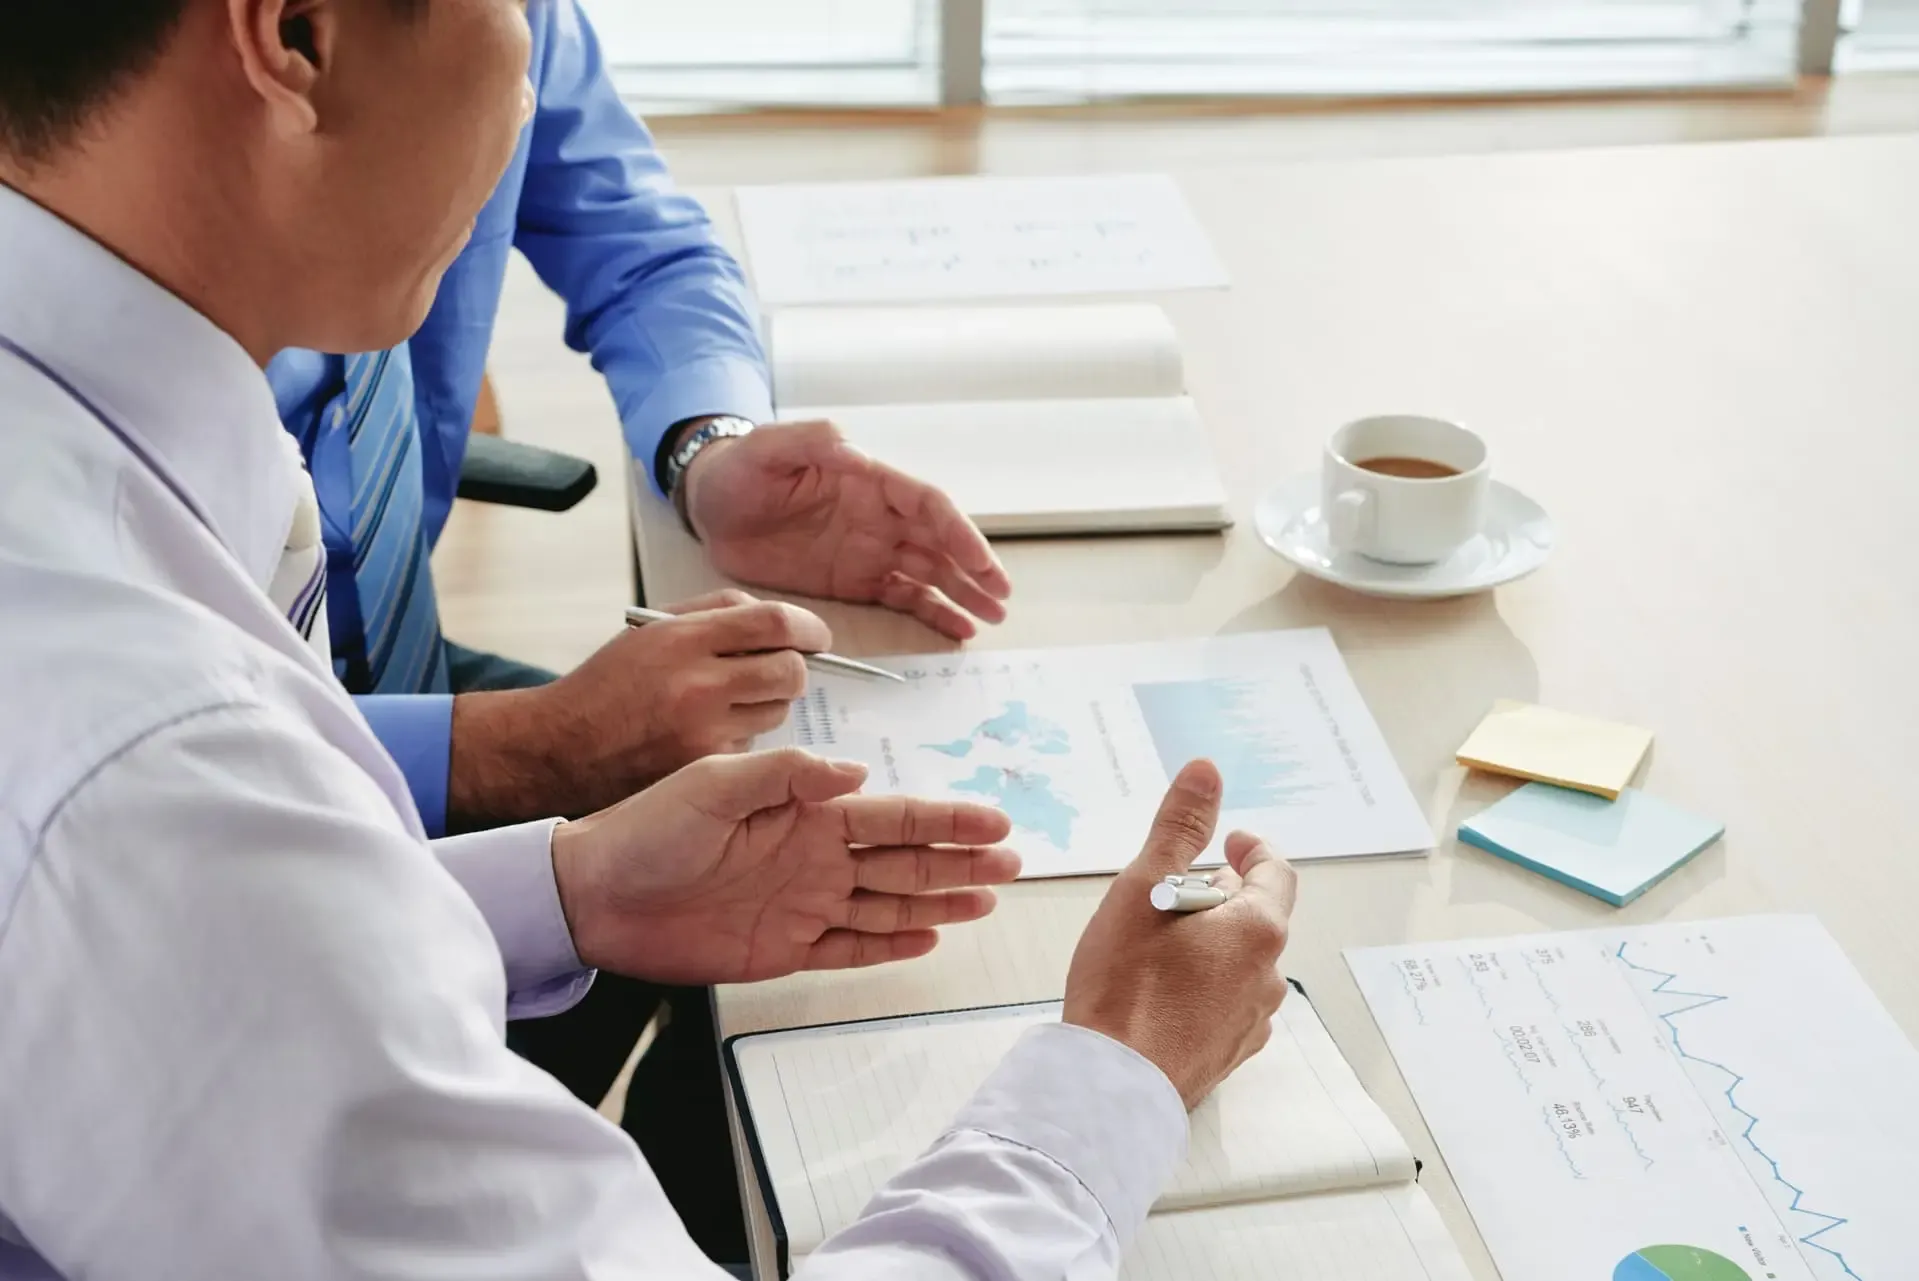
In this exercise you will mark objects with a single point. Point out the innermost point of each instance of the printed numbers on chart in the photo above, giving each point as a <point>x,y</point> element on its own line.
<point>813,721</point>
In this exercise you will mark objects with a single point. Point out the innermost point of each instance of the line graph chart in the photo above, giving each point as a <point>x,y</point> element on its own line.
<point>1732,1088</point>
<point>1748,1122</point>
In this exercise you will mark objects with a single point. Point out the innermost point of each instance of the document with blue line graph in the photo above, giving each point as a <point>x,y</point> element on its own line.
<point>1078,745</point>
<point>1707,1101</point>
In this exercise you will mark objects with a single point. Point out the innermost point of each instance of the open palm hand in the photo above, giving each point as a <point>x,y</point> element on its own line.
<point>795,508</point>
<point>750,867</point>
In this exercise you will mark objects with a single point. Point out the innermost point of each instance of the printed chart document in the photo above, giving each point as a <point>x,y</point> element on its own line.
<point>1707,1101</point>
<point>1292,1169</point>
<point>1037,420</point>
<point>954,238</point>
<point>1078,745</point>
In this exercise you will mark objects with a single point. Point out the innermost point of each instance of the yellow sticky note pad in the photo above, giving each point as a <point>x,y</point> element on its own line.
<point>1556,747</point>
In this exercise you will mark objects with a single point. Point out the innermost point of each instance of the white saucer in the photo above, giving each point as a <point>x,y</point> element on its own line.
<point>1517,539</point>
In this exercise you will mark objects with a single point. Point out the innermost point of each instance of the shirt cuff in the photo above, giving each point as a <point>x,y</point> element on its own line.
<point>417,732</point>
<point>508,873</point>
<point>721,385</point>
<point>1061,1092</point>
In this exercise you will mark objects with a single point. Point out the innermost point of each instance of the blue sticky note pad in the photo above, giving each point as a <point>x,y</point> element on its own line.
<point>1613,850</point>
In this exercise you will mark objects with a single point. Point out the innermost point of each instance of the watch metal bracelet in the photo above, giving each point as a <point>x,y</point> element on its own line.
<point>723,427</point>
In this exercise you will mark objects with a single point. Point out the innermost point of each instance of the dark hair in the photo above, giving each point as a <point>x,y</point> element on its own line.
<point>63,60</point>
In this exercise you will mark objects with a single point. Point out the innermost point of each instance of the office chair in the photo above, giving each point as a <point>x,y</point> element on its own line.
<point>510,474</point>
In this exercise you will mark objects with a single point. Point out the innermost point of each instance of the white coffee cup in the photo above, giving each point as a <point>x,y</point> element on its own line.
<point>1405,519</point>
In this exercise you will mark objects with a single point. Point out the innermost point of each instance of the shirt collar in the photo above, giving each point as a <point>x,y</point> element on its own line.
<point>196,407</point>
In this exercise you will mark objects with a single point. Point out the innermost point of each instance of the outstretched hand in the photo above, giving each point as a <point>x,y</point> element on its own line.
<point>796,508</point>
<point>740,868</point>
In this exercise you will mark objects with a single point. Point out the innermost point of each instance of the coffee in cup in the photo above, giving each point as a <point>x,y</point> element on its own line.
<point>1408,468</point>
<point>1404,489</point>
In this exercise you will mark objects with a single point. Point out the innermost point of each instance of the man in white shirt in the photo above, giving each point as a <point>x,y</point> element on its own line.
<point>194,820</point>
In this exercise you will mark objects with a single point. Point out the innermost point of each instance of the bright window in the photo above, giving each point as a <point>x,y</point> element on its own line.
<point>1089,49</point>
<point>671,54</point>
<point>716,53</point>
<point>1878,35</point>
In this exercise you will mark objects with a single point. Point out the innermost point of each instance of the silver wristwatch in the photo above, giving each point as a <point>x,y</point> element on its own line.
<point>726,427</point>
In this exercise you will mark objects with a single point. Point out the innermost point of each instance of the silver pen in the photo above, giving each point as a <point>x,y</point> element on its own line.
<point>1190,893</point>
<point>638,617</point>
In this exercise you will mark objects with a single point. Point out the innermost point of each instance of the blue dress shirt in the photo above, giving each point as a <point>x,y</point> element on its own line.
<point>651,296</point>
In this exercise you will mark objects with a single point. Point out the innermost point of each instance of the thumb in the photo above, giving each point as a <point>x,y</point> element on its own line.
<point>1183,828</point>
<point>737,787</point>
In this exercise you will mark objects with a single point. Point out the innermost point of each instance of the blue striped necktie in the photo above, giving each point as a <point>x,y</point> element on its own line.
<point>380,604</point>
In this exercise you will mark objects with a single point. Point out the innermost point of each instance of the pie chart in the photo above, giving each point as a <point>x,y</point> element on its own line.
<point>1678,1263</point>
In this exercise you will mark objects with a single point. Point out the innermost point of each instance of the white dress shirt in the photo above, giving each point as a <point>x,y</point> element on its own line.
<point>250,1019</point>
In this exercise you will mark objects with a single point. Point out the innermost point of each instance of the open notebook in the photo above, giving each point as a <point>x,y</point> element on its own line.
<point>1292,1171</point>
<point>1037,420</point>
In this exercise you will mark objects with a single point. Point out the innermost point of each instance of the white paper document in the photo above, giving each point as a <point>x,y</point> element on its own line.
<point>1078,745</point>
<point>1708,1101</point>
<point>953,238</point>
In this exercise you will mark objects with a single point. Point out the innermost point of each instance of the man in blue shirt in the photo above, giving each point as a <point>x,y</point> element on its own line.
<point>665,315</point>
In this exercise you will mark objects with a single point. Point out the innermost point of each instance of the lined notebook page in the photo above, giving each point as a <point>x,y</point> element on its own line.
<point>918,355</point>
<point>837,1111</point>
<point>1375,1234</point>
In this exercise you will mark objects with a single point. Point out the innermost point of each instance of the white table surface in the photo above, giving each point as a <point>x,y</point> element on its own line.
<point>1704,362</point>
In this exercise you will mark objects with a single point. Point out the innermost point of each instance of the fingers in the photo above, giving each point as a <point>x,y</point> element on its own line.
<point>1263,870</point>
<point>849,949</point>
<point>907,820</point>
<point>732,787</point>
<point>919,600</point>
<point>1225,880</point>
<point>724,599</point>
<point>763,626</point>
<point>939,570</point>
<point>1270,881</point>
<point>903,913</point>
<point>937,524</point>
<point>1183,828</point>
<point>893,870</point>
<point>779,677</point>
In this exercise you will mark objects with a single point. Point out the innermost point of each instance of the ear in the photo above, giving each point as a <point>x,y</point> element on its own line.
<point>285,48</point>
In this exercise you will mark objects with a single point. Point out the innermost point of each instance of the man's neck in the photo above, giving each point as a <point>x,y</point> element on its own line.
<point>147,201</point>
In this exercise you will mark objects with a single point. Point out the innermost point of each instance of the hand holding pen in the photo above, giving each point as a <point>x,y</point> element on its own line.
<point>637,616</point>
<point>1193,991</point>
